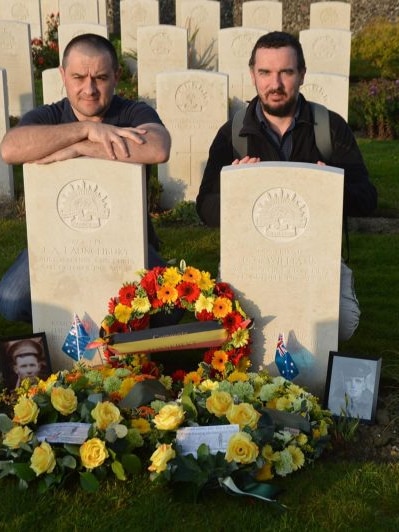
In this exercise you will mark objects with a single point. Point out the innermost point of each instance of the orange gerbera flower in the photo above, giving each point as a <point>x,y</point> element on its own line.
<point>192,275</point>
<point>219,360</point>
<point>167,293</point>
<point>221,307</point>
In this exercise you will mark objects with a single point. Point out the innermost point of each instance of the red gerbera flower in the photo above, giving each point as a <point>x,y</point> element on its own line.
<point>138,324</point>
<point>224,290</point>
<point>112,304</point>
<point>150,280</point>
<point>204,315</point>
<point>150,368</point>
<point>118,327</point>
<point>208,355</point>
<point>127,293</point>
<point>178,375</point>
<point>188,291</point>
<point>232,321</point>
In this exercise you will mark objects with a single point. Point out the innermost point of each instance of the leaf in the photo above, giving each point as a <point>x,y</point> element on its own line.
<point>131,463</point>
<point>115,431</point>
<point>6,468</point>
<point>67,461</point>
<point>24,472</point>
<point>118,470</point>
<point>189,407</point>
<point>72,449</point>
<point>89,482</point>
<point>5,423</point>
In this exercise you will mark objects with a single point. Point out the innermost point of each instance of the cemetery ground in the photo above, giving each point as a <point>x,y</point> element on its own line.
<point>353,486</point>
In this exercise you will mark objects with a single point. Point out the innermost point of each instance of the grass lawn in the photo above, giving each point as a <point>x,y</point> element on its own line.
<point>331,495</point>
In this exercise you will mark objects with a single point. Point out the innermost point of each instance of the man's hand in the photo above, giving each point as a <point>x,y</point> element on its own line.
<point>246,160</point>
<point>113,138</point>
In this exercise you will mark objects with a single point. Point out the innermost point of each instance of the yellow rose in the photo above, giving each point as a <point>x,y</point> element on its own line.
<point>241,449</point>
<point>16,436</point>
<point>43,459</point>
<point>160,458</point>
<point>208,385</point>
<point>64,400</point>
<point>25,411</point>
<point>169,417</point>
<point>105,413</point>
<point>218,403</point>
<point>244,415</point>
<point>93,453</point>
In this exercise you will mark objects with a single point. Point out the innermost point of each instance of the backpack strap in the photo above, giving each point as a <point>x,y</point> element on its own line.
<point>240,144</point>
<point>322,130</point>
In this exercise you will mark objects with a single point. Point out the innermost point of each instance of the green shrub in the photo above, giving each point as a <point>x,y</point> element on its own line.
<point>375,108</point>
<point>375,51</point>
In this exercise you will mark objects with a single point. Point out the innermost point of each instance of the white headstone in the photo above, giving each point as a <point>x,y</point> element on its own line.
<point>193,106</point>
<point>235,47</point>
<point>27,11</point>
<point>160,48</point>
<point>202,20</point>
<point>66,32</point>
<point>335,15</point>
<point>97,241</point>
<point>135,13</point>
<point>16,58</point>
<point>78,11</point>
<point>327,50</point>
<point>6,173</point>
<point>263,14</point>
<point>53,87</point>
<point>102,12</point>
<point>280,236</point>
<point>331,90</point>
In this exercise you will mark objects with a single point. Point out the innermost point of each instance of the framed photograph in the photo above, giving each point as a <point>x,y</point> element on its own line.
<point>24,357</point>
<point>352,386</point>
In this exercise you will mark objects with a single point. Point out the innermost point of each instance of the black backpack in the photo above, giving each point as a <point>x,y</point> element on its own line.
<point>321,131</point>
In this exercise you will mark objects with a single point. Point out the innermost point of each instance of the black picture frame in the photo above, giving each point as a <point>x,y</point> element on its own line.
<point>352,386</point>
<point>14,349</point>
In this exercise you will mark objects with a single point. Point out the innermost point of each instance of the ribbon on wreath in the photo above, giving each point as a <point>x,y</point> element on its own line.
<point>244,484</point>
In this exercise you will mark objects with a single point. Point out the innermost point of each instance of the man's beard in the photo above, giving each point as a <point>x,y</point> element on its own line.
<point>281,110</point>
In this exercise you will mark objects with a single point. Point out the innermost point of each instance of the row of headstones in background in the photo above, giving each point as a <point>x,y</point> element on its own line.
<point>270,251</point>
<point>35,12</point>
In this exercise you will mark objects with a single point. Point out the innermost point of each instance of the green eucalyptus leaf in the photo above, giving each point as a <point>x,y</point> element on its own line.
<point>67,461</point>
<point>5,423</point>
<point>24,472</point>
<point>89,482</point>
<point>72,449</point>
<point>6,468</point>
<point>118,470</point>
<point>131,463</point>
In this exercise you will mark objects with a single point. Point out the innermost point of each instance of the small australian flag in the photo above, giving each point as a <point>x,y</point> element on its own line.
<point>284,362</point>
<point>76,341</point>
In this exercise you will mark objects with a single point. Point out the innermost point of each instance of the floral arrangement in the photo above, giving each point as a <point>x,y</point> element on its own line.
<point>272,426</point>
<point>185,289</point>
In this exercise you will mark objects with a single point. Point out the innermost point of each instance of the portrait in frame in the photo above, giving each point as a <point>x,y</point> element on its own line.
<point>352,386</point>
<point>24,357</point>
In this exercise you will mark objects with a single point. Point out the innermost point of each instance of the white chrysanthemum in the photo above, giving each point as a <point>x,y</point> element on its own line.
<point>267,392</point>
<point>112,384</point>
<point>284,436</point>
<point>284,465</point>
<point>122,372</point>
<point>243,390</point>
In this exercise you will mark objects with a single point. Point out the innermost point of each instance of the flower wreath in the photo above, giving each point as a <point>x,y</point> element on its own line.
<point>172,289</point>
